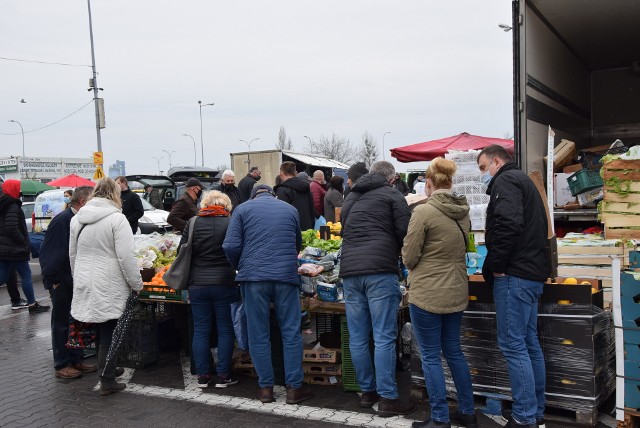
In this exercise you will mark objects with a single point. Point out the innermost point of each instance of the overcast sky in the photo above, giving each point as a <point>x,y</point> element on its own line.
<point>420,69</point>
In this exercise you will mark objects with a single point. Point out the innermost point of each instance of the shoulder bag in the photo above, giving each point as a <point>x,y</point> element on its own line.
<point>177,277</point>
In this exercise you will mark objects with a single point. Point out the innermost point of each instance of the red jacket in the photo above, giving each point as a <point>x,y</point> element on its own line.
<point>318,193</point>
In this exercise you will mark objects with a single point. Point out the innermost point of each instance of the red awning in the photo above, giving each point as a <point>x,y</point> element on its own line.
<point>432,149</point>
<point>71,180</point>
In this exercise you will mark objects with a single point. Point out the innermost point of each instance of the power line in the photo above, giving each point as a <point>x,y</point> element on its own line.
<point>44,62</point>
<point>51,124</point>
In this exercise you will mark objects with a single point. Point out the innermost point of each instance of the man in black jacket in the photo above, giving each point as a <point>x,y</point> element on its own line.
<point>131,203</point>
<point>295,190</point>
<point>57,278</point>
<point>375,218</point>
<point>517,266</point>
<point>228,187</point>
<point>246,184</point>
<point>15,248</point>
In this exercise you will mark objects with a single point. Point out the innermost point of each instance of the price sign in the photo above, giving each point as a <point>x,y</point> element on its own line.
<point>97,158</point>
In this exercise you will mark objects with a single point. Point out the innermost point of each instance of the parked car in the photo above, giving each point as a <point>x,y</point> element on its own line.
<point>48,204</point>
<point>153,220</point>
<point>27,209</point>
<point>160,183</point>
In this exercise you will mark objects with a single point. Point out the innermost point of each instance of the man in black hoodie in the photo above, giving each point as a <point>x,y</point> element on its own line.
<point>517,266</point>
<point>131,204</point>
<point>295,190</point>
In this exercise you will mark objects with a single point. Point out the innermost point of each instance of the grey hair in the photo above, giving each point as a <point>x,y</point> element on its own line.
<point>228,172</point>
<point>215,197</point>
<point>383,168</point>
<point>82,192</point>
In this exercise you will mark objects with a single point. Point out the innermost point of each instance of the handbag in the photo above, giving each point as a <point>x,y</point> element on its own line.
<point>177,277</point>
<point>81,334</point>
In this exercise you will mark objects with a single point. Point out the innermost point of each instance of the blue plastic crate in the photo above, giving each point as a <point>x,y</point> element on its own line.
<point>632,393</point>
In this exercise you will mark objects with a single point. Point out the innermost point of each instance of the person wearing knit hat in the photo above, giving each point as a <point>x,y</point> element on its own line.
<point>356,171</point>
<point>15,248</point>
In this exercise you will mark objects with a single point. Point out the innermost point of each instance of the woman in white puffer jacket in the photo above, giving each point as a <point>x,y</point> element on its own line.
<point>104,269</point>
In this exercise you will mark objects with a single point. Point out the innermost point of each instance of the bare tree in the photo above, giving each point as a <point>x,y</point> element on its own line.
<point>368,151</point>
<point>333,147</point>
<point>221,167</point>
<point>283,143</point>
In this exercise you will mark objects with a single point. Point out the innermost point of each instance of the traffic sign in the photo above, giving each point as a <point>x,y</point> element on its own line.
<point>97,158</point>
<point>99,173</point>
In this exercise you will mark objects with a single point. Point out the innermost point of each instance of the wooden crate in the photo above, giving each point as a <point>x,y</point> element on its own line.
<point>620,216</point>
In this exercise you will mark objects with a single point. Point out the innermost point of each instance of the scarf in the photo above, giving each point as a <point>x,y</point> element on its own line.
<point>213,211</point>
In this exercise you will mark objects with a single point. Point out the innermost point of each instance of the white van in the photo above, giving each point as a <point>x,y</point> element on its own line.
<point>48,204</point>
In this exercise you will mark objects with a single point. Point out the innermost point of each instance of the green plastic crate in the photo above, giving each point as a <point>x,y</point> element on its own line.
<point>584,180</point>
<point>349,382</point>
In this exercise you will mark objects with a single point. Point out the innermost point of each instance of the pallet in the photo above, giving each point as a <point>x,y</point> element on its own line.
<point>631,419</point>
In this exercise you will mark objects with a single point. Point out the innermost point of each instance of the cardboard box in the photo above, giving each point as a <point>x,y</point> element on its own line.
<point>561,193</point>
<point>563,154</point>
<point>322,379</point>
<point>320,355</point>
<point>570,169</point>
<point>334,369</point>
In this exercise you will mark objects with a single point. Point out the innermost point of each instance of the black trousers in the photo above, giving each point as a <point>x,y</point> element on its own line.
<point>12,286</point>
<point>60,313</point>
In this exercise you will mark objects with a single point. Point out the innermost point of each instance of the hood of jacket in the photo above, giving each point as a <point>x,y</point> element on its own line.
<point>6,201</point>
<point>369,182</point>
<point>296,183</point>
<point>11,188</point>
<point>95,210</point>
<point>452,205</point>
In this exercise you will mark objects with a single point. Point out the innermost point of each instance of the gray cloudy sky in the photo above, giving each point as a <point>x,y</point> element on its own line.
<point>421,69</point>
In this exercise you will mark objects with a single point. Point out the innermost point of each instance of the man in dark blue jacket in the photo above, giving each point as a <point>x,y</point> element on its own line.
<point>262,243</point>
<point>57,278</point>
<point>517,266</point>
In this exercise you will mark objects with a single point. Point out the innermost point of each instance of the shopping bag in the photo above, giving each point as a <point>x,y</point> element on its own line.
<point>320,221</point>
<point>239,318</point>
<point>177,277</point>
<point>81,334</point>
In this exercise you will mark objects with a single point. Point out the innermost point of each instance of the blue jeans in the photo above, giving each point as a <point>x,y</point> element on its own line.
<point>372,303</point>
<point>517,321</point>
<point>207,302</point>
<point>60,313</point>
<point>24,271</point>
<point>437,333</point>
<point>258,296</point>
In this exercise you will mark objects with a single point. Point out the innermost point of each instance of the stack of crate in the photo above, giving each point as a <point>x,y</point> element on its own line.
<point>467,182</point>
<point>620,208</point>
<point>628,368</point>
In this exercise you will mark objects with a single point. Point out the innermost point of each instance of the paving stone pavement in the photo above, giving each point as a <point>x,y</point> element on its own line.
<point>162,395</point>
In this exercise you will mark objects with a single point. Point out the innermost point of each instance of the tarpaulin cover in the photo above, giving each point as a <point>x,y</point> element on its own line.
<point>430,150</point>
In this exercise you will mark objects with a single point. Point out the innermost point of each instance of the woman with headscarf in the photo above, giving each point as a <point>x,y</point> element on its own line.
<point>104,270</point>
<point>212,289</point>
<point>333,199</point>
<point>434,251</point>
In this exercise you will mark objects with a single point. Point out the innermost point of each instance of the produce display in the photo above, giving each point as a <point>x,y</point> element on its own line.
<point>311,238</point>
<point>155,250</point>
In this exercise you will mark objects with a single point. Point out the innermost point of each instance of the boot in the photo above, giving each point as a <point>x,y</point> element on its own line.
<point>108,382</point>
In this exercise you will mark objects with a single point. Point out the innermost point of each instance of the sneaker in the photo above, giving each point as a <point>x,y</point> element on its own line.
<point>368,399</point>
<point>511,423</point>
<point>387,407</point>
<point>430,423</point>
<point>506,416</point>
<point>20,304</point>
<point>37,308</point>
<point>68,373</point>
<point>223,382</point>
<point>204,381</point>
<point>462,420</point>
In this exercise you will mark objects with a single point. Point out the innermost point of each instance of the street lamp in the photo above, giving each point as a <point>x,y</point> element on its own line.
<point>310,142</point>
<point>169,153</point>
<point>22,131</point>
<point>506,28</point>
<point>195,160</point>
<point>158,161</point>
<point>383,135</point>
<point>201,143</point>
<point>249,152</point>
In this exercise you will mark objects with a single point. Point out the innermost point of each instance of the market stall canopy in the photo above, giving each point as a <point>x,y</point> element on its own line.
<point>30,187</point>
<point>316,160</point>
<point>71,180</point>
<point>430,150</point>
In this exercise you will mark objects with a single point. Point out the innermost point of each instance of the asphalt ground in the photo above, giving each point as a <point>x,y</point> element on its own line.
<point>165,394</point>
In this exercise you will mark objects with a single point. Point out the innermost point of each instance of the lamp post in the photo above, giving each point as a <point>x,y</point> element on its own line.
<point>249,152</point>
<point>310,142</point>
<point>169,153</point>
<point>383,135</point>
<point>195,160</point>
<point>94,80</point>
<point>158,161</point>
<point>201,143</point>
<point>22,131</point>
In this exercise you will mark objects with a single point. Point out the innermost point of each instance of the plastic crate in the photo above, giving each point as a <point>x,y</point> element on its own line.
<point>349,382</point>
<point>139,348</point>
<point>584,180</point>
<point>163,292</point>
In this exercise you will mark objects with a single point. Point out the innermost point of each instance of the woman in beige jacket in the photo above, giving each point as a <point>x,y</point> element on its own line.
<point>434,252</point>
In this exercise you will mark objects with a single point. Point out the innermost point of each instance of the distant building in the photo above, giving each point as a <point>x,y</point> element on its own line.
<point>45,169</point>
<point>117,169</point>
